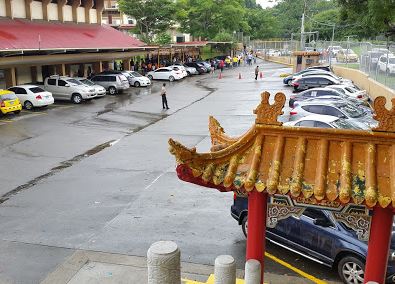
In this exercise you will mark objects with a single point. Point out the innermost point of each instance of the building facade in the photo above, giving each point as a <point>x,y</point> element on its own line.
<point>65,37</point>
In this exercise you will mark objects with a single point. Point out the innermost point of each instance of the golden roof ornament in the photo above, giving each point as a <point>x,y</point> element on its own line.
<point>266,113</point>
<point>385,117</point>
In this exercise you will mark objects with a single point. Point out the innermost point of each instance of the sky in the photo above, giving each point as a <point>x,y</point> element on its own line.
<point>266,3</point>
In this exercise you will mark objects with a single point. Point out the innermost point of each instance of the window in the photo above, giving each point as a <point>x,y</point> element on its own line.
<point>311,81</point>
<point>325,82</point>
<point>321,124</point>
<point>74,81</point>
<point>328,110</point>
<point>313,213</point>
<point>62,83</point>
<point>36,90</point>
<point>305,123</point>
<point>20,91</point>
<point>51,82</point>
<point>314,109</point>
<point>97,79</point>
<point>8,97</point>
<point>112,78</point>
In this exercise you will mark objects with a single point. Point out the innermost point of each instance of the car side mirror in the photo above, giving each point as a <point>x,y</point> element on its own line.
<point>323,222</point>
<point>67,85</point>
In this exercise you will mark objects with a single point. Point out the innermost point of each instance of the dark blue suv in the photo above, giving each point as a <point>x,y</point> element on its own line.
<point>319,237</point>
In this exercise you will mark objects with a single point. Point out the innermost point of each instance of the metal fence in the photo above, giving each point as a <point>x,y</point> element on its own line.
<point>377,60</point>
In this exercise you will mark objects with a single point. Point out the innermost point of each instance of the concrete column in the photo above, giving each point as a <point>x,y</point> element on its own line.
<point>74,6</point>
<point>45,9</point>
<point>33,73</point>
<point>60,69</point>
<point>99,10</point>
<point>68,70</point>
<point>126,64</point>
<point>88,6</point>
<point>97,67</point>
<point>252,272</point>
<point>105,65</point>
<point>225,270</point>
<point>10,77</point>
<point>8,8</point>
<point>61,4</point>
<point>28,9</point>
<point>163,261</point>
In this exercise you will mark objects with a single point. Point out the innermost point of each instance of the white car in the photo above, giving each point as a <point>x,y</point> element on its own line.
<point>165,73</point>
<point>322,121</point>
<point>181,68</point>
<point>387,64</point>
<point>351,91</point>
<point>333,50</point>
<point>99,90</point>
<point>32,96</point>
<point>137,80</point>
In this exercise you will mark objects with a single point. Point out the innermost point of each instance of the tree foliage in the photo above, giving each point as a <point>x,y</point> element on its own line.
<point>152,16</point>
<point>262,24</point>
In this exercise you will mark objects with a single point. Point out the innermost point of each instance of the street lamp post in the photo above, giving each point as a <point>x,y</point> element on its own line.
<point>302,27</point>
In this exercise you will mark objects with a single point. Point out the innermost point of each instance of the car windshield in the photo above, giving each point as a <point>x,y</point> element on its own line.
<point>87,82</point>
<point>351,111</point>
<point>392,60</point>
<point>343,124</point>
<point>36,90</point>
<point>136,74</point>
<point>74,81</point>
<point>8,97</point>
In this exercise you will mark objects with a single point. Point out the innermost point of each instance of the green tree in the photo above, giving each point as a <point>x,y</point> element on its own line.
<point>152,16</point>
<point>368,17</point>
<point>207,18</point>
<point>262,23</point>
<point>162,38</point>
<point>323,21</point>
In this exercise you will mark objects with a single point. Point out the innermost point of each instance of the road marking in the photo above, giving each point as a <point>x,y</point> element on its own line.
<point>210,280</point>
<point>298,271</point>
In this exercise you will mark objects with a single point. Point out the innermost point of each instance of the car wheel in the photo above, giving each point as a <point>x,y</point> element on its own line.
<point>112,90</point>
<point>150,77</point>
<point>28,105</point>
<point>17,112</point>
<point>76,98</point>
<point>351,270</point>
<point>188,73</point>
<point>171,79</point>
<point>244,225</point>
<point>137,84</point>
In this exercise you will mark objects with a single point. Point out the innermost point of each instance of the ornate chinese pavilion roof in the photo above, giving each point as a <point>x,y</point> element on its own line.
<point>312,165</point>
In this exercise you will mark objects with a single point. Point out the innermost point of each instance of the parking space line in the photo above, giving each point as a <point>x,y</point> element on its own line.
<point>298,271</point>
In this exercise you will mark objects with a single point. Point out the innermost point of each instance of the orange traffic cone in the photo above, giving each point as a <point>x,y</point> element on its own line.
<point>261,75</point>
<point>220,75</point>
<point>239,75</point>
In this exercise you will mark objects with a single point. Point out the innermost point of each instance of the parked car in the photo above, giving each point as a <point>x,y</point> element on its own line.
<point>320,67</point>
<point>323,121</point>
<point>351,91</point>
<point>341,109</point>
<point>179,68</point>
<point>206,65</point>
<point>346,55</point>
<point>31,96</point>
<point>288,80</point>
<point>199,67</point>
<point>138,80</point>
<point>371,58</point>
<point>124,73</point>
<point>113,83</point>
<point>165,73</point>
<point>67,88</point>
<point>318,236</point>
<point>190,70</point>
<point>99,90</point>
<point>325,93</point>
<point>387,64</point>
<point>314,81</point>
<point>333,50</point>
<point>9,102</point>
<point>324,73</point>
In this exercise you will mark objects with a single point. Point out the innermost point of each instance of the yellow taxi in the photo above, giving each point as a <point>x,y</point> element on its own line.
<point>9,102</point>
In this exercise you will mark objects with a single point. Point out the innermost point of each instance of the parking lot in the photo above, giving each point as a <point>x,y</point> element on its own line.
<point>98,176</point>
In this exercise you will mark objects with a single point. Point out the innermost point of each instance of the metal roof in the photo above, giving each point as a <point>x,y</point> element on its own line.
<point>24,35</point>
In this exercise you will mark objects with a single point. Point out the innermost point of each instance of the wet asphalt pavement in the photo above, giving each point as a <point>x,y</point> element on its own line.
<point>98,176</point>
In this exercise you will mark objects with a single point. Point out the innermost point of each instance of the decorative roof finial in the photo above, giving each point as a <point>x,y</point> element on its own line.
<point>385,117</point>
<point>266,113</point>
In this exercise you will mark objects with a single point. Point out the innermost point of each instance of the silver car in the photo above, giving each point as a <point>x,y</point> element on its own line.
<point>338,109</point>
<point>112,82</point>
<point>324,121</point>
<point>99,90</point>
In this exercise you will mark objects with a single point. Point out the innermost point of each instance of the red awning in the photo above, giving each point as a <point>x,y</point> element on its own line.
<point>19,34</point>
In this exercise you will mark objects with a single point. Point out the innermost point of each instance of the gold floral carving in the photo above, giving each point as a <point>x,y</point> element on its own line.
<point>385,117</point>
<point>266,113</point>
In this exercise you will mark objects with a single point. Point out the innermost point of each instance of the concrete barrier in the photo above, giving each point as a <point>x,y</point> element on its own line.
<point>163,261</point>
<point>225,270</point>
<point>252,272</point>
<point>286,60</point>
<point>363,81</point>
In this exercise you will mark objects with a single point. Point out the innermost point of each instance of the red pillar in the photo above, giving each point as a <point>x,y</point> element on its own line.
<point>257,208</point>
<point>378,246</point>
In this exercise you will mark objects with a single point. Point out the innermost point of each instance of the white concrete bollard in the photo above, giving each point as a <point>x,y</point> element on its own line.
<point>252,272</point>
<point>225,270</point>
<point>163,261</point>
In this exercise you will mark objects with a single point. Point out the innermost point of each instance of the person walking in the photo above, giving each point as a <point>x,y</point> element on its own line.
<point>164,99</point>
<point>256,72</point>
